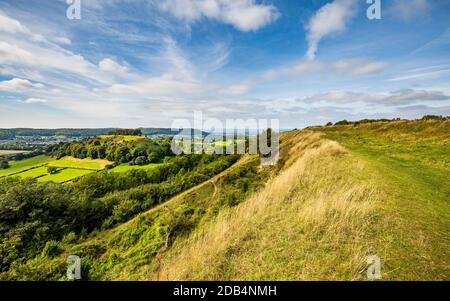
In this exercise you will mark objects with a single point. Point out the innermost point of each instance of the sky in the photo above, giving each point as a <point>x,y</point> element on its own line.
<point>147,63</point>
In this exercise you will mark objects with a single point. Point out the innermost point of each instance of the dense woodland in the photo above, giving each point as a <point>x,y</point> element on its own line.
<point>138,152</point>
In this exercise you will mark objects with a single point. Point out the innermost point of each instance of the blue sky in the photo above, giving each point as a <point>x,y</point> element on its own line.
<point>132,63</point>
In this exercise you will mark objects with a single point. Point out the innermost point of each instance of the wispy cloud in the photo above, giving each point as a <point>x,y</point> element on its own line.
<point>409,9</point>
<point>302,68</point>
<point>35,101</point>
<point>394,98</point>
<point>331,18</point>
<point>244,15</point>
<point>19,85</point>
<point>359,66</point>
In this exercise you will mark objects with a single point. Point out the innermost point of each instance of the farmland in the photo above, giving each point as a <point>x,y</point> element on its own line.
<point>24,165</point>
<point>12,152</point>
<point>33,173</point>
<point>67,168</point>
<point>65,175</point>
<point>70,162</point>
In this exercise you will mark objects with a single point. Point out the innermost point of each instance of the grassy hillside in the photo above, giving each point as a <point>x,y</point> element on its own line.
<point>384,190</point>
<point>338,195</point>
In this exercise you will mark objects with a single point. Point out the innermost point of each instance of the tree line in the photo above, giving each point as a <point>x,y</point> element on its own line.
<point>139,152</point>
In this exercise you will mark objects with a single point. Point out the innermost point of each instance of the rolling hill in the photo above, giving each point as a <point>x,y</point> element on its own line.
<point>338,195</point>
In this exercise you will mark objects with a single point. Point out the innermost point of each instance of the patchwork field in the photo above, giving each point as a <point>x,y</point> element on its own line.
<point>68,168</point>
<point>90,164</point>
<point>24,165</point>
<point>33,173</point>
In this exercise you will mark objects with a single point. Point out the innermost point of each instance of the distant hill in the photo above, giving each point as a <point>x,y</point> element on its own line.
<point>6,134</point>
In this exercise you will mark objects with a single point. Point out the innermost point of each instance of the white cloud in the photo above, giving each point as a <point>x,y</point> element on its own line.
<point>237,89</point>
<point>359,66</point>
<point>24,54</point>
<point>408,9</point>
<point>10,25</point>
<point>394,98</point>
<point>110,65</point>
<point>18,85</point>
<point>10,53</point>
<point>62,40</point>
<point>297,69</point>
<point>35,101</point>
<point>331,18</point>
<point>432,72</point>
<point>179,65</point>
<point>245,15</point>
<point>158,86</point>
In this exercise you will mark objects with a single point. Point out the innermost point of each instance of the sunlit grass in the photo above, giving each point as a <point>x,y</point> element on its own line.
<point>70,162</point>
<point>23,165</point>
<point>65,175</point>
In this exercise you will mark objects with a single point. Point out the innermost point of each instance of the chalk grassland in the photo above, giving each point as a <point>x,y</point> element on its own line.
<point>12,152</point>
<point>412,164</point>
<point>310,222</point>
<point>24,165</point>
<point>382,190</point>
<point>71,162</point>
<point>65,175</point>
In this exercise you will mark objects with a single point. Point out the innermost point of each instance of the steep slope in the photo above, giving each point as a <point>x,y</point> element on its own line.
<point>385,194</point>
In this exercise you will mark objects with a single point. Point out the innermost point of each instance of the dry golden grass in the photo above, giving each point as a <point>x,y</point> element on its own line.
<point>12,152</point>
<point>310,222</point>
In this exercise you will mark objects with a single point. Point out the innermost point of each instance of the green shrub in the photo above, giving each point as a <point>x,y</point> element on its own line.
<point>4,164</point>
<point>51,249</point>
<point>52,170</point>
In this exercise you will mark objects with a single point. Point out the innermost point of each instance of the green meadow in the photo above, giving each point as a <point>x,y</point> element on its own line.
<point>24,165</point>
<point>33,173</point>
<point>65,175</point>
<point>68,168</point>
